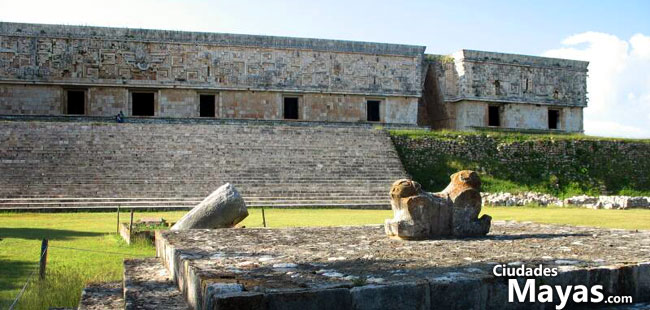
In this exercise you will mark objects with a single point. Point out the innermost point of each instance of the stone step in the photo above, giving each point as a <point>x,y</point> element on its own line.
<point>164,177</point>
<point>112,207</point>
<point>274,172</point>
<point>212,182</point>
<point>102,296</point>
<point>147,286</point>
<point>182,202</point>
<point>191,188</point>
<point>205,181</point>
<point>76,199</point>
<point>166,190</point>
<point>275,157</point>
<point>125,192</point>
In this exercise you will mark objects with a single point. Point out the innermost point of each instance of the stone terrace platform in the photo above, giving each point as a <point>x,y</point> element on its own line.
<point>360,268</point>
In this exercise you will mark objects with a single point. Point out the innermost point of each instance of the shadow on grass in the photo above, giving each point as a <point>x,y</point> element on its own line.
<point>42,233</point>
<point>12,269</point>
<point>12,277</point>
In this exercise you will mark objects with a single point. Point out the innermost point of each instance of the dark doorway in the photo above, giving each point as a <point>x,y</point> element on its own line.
<point>206,108</point>
<point>553,119</point>
<point>372,109</point>
<point>494,119</point>
<point>76,102</point>
<point>290,108</point>
<point>143,104</point>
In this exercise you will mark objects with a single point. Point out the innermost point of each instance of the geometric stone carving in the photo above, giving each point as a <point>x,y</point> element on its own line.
<point>450,213</point>
<point>223,208</point>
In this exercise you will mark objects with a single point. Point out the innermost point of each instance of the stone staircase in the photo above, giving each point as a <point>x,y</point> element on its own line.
<point>102,165</point>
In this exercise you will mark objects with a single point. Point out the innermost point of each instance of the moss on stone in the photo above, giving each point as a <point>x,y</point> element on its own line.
<point>439,58</point>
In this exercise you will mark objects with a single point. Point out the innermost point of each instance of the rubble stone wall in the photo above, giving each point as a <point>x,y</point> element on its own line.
<point>562,166</point>
<point>532,198</point>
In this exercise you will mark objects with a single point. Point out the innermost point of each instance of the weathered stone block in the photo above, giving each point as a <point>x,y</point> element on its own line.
<point>213,291</point>
<point>627,280</point>
<point>223,208</point>
<point>497,295</point>
<point>607,276</point>
<point>567,275</point>
<point>643,282</point>
<point>400,296</point>
<point>238,301</point>
<point>457,291</point>
<point>310,300</point>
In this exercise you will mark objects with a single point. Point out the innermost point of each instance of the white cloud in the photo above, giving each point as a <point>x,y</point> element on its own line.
<point>640,46</point>
<point>618,83</point>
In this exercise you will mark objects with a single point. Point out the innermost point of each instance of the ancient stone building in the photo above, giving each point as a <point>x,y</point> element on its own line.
<point>55,69</point>
<point>96,71</point>
<point>475,89</point>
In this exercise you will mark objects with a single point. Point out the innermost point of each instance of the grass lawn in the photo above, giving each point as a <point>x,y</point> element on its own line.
<point>624,219</point>
<point>69,270</point>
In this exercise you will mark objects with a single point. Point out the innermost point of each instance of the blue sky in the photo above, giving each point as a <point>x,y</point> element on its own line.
<point>613,35</point>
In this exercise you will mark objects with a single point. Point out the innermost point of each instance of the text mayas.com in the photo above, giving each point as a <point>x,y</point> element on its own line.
<point>532,292</point>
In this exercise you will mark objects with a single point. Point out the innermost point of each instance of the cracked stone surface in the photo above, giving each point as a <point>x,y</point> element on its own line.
<point>147,286</point>
<point>276,259</point>
<point>102,296</point>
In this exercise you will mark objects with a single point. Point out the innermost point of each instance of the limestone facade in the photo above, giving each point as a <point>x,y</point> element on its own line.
<point>525,92</point>
<point>249,76</point>
<point>475,114</point>
<point>260,77</point>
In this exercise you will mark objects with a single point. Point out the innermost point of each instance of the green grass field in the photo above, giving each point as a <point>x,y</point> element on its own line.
<point>103,251</point>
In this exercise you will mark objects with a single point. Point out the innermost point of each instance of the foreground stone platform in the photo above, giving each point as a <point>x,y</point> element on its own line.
<point>359,268</point>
